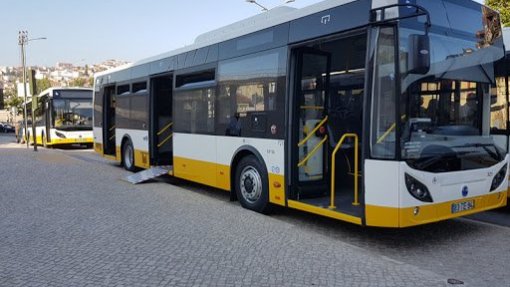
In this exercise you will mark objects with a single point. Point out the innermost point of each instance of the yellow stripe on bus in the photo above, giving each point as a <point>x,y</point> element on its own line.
<point>324,212</point>
<point>404,217</point>
<point>218,176</point>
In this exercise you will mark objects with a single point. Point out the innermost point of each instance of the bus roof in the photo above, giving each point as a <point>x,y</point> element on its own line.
<point>49,91</point>
<point>271,18</point>
<point>259,22</point>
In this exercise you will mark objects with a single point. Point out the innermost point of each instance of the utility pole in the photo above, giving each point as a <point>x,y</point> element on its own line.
<point>22,40</point>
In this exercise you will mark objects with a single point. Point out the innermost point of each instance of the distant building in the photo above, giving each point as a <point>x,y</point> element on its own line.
<point>64,66</point>
<point>21,92</point>
<point>2,102</point>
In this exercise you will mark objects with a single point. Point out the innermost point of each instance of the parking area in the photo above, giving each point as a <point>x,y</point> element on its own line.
<point>68,219</point>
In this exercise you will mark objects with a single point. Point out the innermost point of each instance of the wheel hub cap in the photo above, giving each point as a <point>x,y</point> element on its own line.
<point>251,184</point>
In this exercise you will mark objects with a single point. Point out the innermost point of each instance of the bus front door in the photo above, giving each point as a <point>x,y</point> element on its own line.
<point>109,121</point>
<point>46,105</point>
<point>310,152</point>
<point>161,129</point>
<point>325,138</point>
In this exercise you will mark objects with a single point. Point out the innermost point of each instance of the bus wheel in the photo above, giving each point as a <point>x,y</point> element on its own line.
<point>251,185</point>
<point>128,156</point>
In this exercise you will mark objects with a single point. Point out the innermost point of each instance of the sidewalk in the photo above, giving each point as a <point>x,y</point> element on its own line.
<point>9,141</point>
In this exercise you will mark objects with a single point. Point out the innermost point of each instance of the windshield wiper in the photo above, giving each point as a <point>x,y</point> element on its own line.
<point>495,154</point>
<point>425,162</point>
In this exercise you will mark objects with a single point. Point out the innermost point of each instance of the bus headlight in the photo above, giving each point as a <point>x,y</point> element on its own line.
<point>498,178</point>
<point>417,189</point>
<point>60,135</point>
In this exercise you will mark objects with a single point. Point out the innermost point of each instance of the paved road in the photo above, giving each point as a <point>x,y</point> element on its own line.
<point>75,223</point>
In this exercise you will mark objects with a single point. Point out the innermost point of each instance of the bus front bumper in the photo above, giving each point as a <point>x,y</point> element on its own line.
<point>411,216</point>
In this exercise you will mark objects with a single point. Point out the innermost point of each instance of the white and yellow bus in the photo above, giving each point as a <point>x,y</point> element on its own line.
<point>63,117</point>
<point>500,129</point>
<point>367,111</point>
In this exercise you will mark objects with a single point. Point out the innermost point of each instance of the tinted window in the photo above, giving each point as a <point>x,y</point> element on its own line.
<point>98,109</point>
<point>254,87</point>
<point>383,105</point>
<point>124,89</point>
<point>258,41</point>
<point>499,116</point>
<point>140,87</point>
<point>194,110</point>
<point>81,94</point>
<point>194,79</point>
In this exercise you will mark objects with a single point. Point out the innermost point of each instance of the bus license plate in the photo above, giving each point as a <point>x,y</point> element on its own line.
<point>463,206</point>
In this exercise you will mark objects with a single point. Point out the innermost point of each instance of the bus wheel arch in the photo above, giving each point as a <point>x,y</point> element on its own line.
<point>127,160</point>
<point>249,165</point>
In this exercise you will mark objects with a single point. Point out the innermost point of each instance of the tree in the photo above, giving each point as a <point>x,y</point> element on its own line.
<point>78,82</point>
<point>42,85</point>
<point>90,82</point>
<point>13,100</point>
<point>503,6</point>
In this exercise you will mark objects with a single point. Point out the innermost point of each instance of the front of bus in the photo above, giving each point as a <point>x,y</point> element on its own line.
<point>430,155</point>
<point>71,117</point>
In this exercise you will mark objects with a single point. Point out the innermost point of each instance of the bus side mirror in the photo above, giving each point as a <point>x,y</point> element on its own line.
<point>419,54</point>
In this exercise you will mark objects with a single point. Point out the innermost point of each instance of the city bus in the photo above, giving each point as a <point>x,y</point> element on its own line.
<point>500,98</point>
<point>63,117</point>
<point>371,112</point>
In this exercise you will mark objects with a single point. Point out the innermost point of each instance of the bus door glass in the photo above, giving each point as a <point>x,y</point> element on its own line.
<point>312,88</point>
<point>161,130</point>
<point>46,105</point>
<point>109,120</point>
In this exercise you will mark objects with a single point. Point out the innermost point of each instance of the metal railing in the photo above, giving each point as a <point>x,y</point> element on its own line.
<point>317,146</point>
<point>333,164</point>
<point>310,134</point>
<point>165,128</point>
<point>314,150</point>
<point>165,140</point>
<point>160,132</point>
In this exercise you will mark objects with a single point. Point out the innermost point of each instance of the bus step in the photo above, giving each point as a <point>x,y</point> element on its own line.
<point>148,174</point>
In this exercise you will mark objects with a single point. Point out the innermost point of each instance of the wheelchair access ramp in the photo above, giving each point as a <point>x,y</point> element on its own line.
<point>148,174</point>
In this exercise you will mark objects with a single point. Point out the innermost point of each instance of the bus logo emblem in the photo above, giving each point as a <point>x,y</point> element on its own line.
<point>465,191</point>
<point>326,19</point>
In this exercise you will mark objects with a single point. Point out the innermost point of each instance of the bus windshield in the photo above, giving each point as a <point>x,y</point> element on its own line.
<point>444,113</point>
<point>72,114</point>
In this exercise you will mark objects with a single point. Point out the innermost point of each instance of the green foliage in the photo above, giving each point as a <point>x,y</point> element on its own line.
<point>503,6</point>
<point>12,100</point>
<point>10,93</point>
<point>78,82</point>
<point>42,85</point>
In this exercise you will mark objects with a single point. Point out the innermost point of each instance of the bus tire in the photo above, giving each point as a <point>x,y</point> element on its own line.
<point>128,156</point>
<point>251,185</point>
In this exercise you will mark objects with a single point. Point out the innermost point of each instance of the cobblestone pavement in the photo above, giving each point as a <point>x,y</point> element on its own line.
<point>67,219</point>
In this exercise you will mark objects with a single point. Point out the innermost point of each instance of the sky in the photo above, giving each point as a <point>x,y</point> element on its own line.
<point>92,31</point>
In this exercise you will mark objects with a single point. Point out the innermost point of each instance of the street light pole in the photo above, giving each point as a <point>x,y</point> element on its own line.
<point>256,3</point>
<point>23,41</point>
<point>264,9</point>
